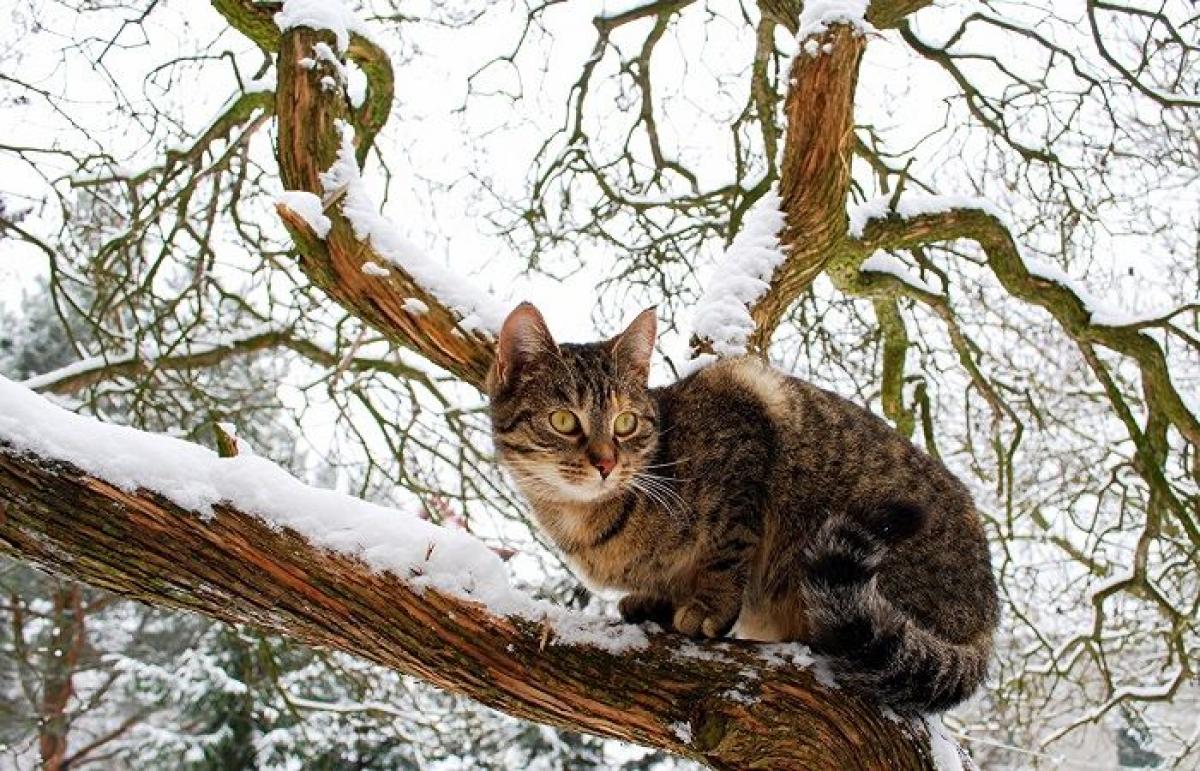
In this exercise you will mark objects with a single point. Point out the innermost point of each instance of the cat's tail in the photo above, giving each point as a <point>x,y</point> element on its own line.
<point>871,645</point>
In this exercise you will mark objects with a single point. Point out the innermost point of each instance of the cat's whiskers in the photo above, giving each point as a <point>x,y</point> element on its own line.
<point>673,507</point>
<point>663,485</point>
<point>667,463</point>
<point>664,497</point>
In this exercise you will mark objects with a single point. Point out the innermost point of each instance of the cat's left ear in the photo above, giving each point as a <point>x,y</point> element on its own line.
<point>634,347</point>
<point>523,338</point>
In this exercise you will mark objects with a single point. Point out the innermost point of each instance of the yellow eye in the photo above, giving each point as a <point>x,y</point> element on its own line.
<point>625,424</point>
<point>564,421</point>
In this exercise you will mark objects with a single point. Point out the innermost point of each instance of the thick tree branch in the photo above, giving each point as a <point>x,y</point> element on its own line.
<point>722,704</point>
<point>309,142</point>
<point>815,172</point>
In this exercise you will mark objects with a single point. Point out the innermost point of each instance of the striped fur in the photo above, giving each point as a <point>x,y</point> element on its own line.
<point>750,501</point>
<point>870,643</point>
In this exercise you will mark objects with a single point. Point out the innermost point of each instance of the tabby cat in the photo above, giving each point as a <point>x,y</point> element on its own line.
<point>740,498</point>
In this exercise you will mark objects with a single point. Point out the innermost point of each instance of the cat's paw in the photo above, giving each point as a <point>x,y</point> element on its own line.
<point>636,608</point>
<point>698,619</point>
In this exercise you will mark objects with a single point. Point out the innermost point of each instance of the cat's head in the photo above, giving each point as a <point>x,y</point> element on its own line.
<point>572,422</point>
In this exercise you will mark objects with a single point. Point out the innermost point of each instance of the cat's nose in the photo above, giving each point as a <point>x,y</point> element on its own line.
<point>604,464</point>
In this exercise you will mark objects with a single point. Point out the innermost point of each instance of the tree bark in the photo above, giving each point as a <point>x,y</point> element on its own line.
<point>722,704</point>
<point>58,681</point>
<point>815,173</point>
<point>308,145</point>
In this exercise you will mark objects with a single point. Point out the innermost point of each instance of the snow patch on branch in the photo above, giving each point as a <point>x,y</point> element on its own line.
<point>819,15</point>
<point>477,310</point>
<point>882,262</point>
<point>415,306</point>
<point>347,75</point>
<point>308,206</point>
<point>946,754</point>
<point>197,479</point>
<point>1100,312</point>
<point>147,355</point>
<point>682,731</point>
<point>264,85</point>
<point>741,278</point>
<point>331,15</point>
<point>880,208</point>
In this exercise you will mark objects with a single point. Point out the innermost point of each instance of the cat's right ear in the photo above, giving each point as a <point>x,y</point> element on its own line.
<point>523,337</point>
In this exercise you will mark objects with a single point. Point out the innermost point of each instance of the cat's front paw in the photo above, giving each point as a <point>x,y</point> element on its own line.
<point>636,608</point>
<point>699,619</point>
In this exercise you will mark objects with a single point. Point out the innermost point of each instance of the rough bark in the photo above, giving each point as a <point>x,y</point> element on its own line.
<point>308,145</point>
<point>725,707</point>
<point>815,173</point>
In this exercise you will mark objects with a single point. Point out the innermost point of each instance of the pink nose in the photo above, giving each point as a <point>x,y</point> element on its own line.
<point>604,464</point>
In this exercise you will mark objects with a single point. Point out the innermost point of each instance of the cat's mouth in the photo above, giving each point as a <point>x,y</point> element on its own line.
<point>574,485</point>
<point>583,486</point>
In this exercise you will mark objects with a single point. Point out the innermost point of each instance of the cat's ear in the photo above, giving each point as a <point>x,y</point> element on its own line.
<point>523,337</point>
<point>634,347</point>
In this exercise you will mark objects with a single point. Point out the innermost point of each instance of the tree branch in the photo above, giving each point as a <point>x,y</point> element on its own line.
<point>815,172</point>
<point>309,142</point>
<point>721,704</point>
<point>1071,311</point>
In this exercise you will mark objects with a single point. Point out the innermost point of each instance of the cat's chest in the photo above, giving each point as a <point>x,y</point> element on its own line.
<point>616,549</point>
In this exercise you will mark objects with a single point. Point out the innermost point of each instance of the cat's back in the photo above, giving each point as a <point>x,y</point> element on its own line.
<point>814,434</point>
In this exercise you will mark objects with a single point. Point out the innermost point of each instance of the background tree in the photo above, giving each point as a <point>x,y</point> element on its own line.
<point>978,334</point>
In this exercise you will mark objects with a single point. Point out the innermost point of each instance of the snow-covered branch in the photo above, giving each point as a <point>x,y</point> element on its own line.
<point>168,522</point>
<point>346,248</point>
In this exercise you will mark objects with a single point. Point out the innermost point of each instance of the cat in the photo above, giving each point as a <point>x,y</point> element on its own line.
<point>739,495</point>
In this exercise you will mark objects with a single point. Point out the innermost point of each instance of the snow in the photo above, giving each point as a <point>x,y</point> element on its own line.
<point>356,84</point>
<point>477,310</point>
<point>264,85</point>
<point>882,262</point>
<point>346,74</point>
<point>147,355</point>
<point>741,278</point>
<point>310,209</point>
<point>945,750</point>
<point>1102,313</point>
<point>912,205</point>
<point>415,306</point>
<point>696,363</point>
<point>613,8</point>
<point>89,364</point>
<point>372,268</point>
<point>683,731</point>
<point>819,15</point>
<point>197,479</point>
<point>331,15</point>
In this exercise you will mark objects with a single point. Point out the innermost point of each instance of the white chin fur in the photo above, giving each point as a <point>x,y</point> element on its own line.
<point>585,492</point>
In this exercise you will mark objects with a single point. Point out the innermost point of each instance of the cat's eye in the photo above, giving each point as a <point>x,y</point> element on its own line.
<point>625,424</point>
<point>564,421</point>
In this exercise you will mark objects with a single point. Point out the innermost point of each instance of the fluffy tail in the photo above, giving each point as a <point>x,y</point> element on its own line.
<point>873,646</point>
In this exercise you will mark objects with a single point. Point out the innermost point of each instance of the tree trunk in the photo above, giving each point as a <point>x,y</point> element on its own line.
<point>66,643</point>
